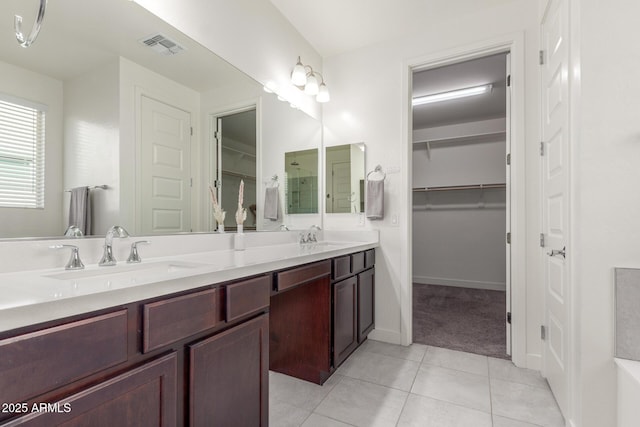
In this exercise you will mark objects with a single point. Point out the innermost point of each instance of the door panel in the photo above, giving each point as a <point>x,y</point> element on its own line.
<point>165,180</point>
<point>555,195</point>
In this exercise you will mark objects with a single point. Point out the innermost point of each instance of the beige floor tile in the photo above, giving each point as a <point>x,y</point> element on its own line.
<point>458,360</point>
<point>380,369</point>
<point>526,403</point>
<point>299,393</point>
<point>422,411</point>
<point>461,388</point>
<point>284,415</point>
<point>316,420</point>
<point>505,370</point>
<point>363,404</point>
<point>413,352</point>
<point>499,421</point>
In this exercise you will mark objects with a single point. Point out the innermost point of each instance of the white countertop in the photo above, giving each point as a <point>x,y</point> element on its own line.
<point>36,296</point>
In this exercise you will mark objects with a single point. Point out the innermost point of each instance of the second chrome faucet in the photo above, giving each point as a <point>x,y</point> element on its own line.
<point>107,257</point>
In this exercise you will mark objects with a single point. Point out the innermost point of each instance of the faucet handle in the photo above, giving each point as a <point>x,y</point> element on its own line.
<point>134,257</point>
<point>74,263</point>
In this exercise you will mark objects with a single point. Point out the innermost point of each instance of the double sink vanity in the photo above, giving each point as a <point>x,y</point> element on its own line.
<point>183,338</point>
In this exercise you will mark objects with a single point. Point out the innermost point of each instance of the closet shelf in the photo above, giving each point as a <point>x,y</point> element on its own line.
<point>459,187</point>
<point>460,138</point>
<point>238,175</point>
<point>235,150</point>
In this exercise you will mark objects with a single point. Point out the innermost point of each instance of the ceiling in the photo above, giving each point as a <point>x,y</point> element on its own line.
<point>80,35</point>
<point>336,26</point>
<point>476,72</point>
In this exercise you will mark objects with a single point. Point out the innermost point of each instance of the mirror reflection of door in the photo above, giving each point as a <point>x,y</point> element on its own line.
<point>235,136</point>
<point>344,178</point>
<point>165,168</point>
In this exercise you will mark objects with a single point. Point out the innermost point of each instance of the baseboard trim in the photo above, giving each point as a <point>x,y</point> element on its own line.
<point>385,335</point>
<point>459,283</point>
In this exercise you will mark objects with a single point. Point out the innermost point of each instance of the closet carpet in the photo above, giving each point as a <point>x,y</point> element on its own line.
<point>471,320</point>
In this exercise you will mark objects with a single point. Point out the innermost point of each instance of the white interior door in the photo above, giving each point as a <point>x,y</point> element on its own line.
<point>165,163</point>
<point>508,203</point>
<point>341,191</point>
<point>555,197</point>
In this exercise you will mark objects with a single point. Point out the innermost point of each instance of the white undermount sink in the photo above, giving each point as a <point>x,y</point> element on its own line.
<point>127,269</point>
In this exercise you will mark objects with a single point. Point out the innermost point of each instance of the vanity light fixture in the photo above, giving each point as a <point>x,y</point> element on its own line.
<point>454,94</point>
<point>306,79</point>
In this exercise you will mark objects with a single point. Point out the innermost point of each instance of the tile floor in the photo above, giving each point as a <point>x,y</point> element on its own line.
<point>388,385</point>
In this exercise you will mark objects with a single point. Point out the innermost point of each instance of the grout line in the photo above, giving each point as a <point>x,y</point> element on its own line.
<point>406,398</point>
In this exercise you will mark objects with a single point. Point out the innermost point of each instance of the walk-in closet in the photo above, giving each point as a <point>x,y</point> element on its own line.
<point>460,181</point>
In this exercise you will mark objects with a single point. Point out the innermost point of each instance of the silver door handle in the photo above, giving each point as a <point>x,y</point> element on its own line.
<point>562,252</point>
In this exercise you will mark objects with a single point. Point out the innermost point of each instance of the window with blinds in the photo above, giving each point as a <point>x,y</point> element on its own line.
<point>22,139</point>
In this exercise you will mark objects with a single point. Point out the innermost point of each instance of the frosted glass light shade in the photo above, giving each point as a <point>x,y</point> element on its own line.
<point>311,88</point>
<point>299,74</point>
<point>323,93</point>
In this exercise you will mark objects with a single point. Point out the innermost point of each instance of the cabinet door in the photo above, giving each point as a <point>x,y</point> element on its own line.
<point>345,312</point>
<point>144,396</point>
<point>366,291</point>
<point>229,378</point>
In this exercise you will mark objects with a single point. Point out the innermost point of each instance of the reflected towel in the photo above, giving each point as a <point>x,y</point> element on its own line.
<point>375,199</point>
<point>80,210</point>
<point>271,203</point>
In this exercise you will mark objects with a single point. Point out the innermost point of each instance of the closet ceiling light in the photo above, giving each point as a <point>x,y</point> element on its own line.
<point>311,82</point>
<point>454,94</point>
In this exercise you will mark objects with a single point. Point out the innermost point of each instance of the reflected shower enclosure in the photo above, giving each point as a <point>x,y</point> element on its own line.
<point>301,177</point>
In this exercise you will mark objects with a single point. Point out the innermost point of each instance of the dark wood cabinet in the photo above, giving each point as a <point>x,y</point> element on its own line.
<point>345,315</point>
<point>229,379</point>
<point>366,303</point>
<point>145,396</point>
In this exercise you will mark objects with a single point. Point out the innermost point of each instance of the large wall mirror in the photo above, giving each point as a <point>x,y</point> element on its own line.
<point>344,178</point>
<point>301,174</point>
<point>130,107</point>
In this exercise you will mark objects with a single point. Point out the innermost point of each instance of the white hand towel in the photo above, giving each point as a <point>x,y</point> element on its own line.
<point>271,203</point>
<point>375,199</point>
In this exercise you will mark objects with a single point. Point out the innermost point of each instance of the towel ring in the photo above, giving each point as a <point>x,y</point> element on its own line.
<point>378,169</point>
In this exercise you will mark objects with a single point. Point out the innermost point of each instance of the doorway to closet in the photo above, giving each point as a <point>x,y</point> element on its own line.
<point>461,258</point>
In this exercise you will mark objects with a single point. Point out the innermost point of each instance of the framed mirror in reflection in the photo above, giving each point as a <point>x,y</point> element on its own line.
<point>301,172</point>
<point>129,105</point>
<point>344,178</point>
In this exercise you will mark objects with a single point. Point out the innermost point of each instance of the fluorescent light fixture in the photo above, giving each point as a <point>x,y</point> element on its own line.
<point>454,94</point>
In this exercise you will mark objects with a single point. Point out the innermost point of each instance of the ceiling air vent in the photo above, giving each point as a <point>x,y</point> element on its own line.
<point>162,45</point>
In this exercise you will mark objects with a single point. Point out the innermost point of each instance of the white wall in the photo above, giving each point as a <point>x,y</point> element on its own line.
<point>250,34</point>
<point>91,142</point>
<point>606,155</point>
<point>459,236</point>
<point>359,113</point>
<point>19,222</point>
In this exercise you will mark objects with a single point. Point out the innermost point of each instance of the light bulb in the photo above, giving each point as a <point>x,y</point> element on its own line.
<point>311,88</point>
<point>323,93</point>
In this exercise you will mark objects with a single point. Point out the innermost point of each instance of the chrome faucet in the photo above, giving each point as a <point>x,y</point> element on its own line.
<point>74,262</point>
<point>107,256</point>
<point>134,257</point>
<point>310,236</point>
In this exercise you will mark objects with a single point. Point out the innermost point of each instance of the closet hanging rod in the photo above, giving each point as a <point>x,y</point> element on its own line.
<point>459,187</point>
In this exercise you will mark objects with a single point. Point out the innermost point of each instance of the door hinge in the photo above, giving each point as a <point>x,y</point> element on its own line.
<point>217,183</point>
<point>542,148</point>
<point>190,182</point>
<point>509,238</point>
<point>191,128</point>
<point>543,332</point>
<point>542,240</point>
<point>508,159</point>
<point>541,59</point>
<point>508,317</point>
<point>216,135</point>
<point>509,80</point>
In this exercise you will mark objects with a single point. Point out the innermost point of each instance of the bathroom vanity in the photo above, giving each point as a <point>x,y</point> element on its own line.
<point>199,356</point>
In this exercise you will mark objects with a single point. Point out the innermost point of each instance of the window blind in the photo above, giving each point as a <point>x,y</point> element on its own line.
<point>22,140</point>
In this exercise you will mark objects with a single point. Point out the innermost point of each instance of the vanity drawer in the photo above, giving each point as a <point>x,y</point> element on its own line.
<point>369,258</point>
<point>170,320</point>
<point>248,296</point>
<point>296,276</point>
<point>341,267</point>
<point>40,361</point>
<point>357,262</point>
